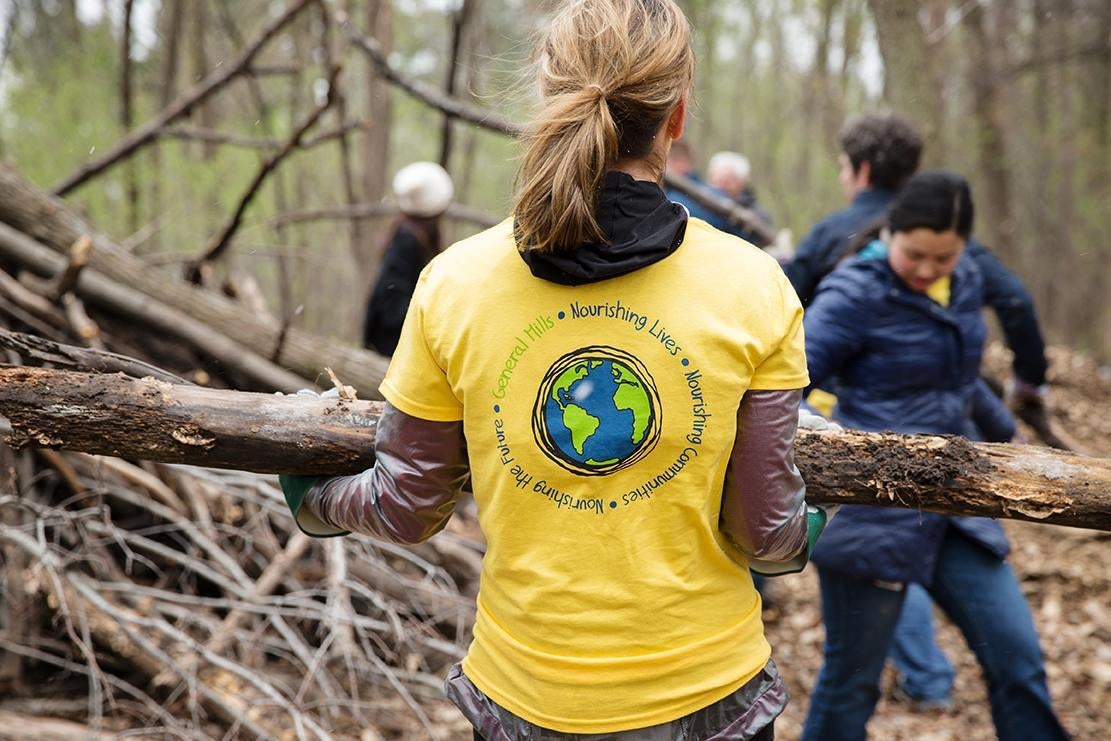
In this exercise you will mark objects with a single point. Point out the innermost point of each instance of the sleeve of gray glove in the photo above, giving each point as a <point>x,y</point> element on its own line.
<point>763,507</point>
<point>410,493</point>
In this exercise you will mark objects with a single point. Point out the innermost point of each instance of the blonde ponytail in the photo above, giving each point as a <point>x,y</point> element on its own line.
<point>610,72</point>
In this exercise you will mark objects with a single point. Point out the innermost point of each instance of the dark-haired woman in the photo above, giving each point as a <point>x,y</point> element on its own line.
<point>901,330</point>
<point>622,384</point>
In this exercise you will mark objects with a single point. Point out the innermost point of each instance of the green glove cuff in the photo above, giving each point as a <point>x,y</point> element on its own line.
<point>816,520</point>
<point>296,488</point>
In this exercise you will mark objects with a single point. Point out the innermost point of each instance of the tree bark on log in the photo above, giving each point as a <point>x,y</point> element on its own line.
<point>113,414</point>
<point>51,222</point>
<point>158,421</point>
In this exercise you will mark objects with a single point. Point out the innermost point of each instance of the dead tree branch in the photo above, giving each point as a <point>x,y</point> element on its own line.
<point>422,91</point>
<point>78,259</point>
<point>459,26</point>
<point>100,289</point>
<point>184,103</point>
<point>202,315</point>
<point>208,136</point>
<point>221,241</point>
<point>127,113</point>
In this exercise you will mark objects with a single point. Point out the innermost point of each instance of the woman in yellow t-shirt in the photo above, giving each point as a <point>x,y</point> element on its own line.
<point>621,384</point>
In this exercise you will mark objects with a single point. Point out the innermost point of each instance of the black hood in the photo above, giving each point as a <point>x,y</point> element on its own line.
<point>641,227</point>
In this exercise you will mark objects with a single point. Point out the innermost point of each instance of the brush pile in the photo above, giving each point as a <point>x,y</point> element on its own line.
<point>182,602</point>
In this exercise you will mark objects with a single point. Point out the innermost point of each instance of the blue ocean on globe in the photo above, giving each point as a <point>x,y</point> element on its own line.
<point>598,412</point>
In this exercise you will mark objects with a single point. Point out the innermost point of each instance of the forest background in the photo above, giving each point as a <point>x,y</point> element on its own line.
<point>1014,94</point>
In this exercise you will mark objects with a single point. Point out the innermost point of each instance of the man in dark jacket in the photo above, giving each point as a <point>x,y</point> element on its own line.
<point>879,153</point>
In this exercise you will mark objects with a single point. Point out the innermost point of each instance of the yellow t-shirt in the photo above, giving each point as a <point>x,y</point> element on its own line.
<point>599,421</point>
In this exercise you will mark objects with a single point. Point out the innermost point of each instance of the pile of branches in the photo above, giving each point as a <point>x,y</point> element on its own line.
<point>181,598</point>
<point>185,599</point>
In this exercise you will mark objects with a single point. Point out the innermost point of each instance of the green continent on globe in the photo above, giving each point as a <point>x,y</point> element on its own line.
<point>581,424</point>
<point>567,379</point>
<point>631,395</point>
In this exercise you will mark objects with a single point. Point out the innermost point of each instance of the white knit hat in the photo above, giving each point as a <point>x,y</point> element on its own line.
<point>732,162</point>
<point>423,189</point>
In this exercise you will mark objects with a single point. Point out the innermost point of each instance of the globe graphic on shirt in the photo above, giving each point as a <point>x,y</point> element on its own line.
<point>597,411</point>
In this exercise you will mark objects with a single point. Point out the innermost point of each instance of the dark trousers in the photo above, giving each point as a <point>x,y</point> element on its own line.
<point>982,596</point>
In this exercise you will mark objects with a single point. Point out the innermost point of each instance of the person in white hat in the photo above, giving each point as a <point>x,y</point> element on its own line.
<point>424,191</point>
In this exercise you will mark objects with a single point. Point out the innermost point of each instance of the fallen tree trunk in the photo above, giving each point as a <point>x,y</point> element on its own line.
<point>113,414</point>
<point>49,221</point>
<point>158,421</point>
<point>108,294</point>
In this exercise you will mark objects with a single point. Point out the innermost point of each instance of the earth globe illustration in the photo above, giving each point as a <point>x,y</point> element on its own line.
<point>597,411</point>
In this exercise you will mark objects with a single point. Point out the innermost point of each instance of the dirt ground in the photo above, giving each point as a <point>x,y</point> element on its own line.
<point>1065,573</point>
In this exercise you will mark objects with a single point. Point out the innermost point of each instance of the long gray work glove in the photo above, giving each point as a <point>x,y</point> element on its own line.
<point>818,516</point>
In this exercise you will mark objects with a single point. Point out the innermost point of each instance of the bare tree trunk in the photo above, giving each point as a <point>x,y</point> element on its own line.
<point>376,141</point>
<point>989,130</point>
<point>909,83</point>
<point>200,70</point>
<point>460,25</point>
<point>168,84</point>
<point>335,46</point>
<point>262,110</point>
<point>828,114</point>
<point>152,420</point>
<point>70,22</point>
<point>1101,81</point>
<point>127,117</point>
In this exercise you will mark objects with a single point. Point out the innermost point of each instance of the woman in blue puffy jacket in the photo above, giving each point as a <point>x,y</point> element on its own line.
<point>901,331</point>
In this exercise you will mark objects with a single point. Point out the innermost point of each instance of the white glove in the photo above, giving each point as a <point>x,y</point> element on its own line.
<point>810,421</point>
<point>332,393</point>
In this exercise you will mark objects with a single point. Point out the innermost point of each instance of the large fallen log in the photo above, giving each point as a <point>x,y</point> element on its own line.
<point>149,419</point>
<point>48,221</point>
<point>158,421</point>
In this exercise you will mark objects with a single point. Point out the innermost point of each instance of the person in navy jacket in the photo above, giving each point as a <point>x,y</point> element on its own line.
<point>878,155</point>
<point>903,334</point>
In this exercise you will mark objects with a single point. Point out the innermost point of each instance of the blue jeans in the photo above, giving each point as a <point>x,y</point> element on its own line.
<point>925,672</point>
<point>982,596</point>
